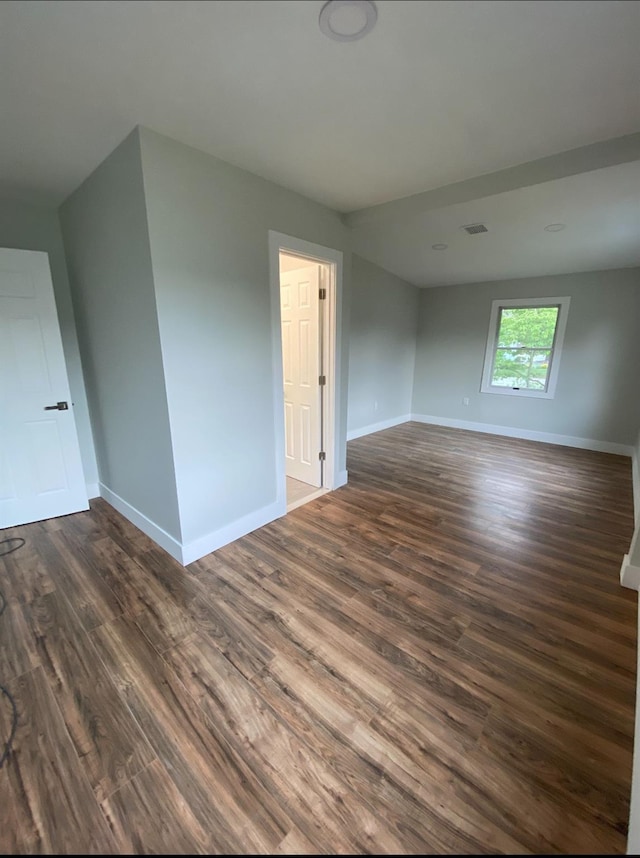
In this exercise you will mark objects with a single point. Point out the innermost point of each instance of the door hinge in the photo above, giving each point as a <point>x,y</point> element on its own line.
<point>322,456</point>
<point>322,380</point>
<point>322,294</point>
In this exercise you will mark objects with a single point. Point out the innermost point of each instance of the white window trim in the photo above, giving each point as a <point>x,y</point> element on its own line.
<point>556,352</point>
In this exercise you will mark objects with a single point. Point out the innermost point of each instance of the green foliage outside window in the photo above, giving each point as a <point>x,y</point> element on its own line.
<point>525,344</point>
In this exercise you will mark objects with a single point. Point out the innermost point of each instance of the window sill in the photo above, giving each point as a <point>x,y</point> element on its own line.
<point>511,391</point>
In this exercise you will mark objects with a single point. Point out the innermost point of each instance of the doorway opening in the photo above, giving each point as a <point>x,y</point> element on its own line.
<point>306,315</point>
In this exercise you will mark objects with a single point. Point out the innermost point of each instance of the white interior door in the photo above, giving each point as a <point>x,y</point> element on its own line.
<point>40,468</point>
<point>299,305</point>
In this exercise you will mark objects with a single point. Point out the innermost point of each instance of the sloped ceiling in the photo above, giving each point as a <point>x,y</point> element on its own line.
<point>438,93</point>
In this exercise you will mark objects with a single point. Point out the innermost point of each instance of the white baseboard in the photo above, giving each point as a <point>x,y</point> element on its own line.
<point>193,551</point>
<point>93,490</point>
<point>528,434</point>
<point>164,539</point>
<point>341,479</point>
<point>190,552</point>
<point>377,427</point>
<point>629,574</point>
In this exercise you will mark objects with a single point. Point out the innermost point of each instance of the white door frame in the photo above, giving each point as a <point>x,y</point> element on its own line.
<point>333,259</point>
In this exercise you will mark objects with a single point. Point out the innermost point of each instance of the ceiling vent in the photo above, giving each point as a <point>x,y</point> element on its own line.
<point>475,228</point>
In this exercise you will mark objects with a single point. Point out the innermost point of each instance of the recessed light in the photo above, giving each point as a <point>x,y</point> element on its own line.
<point>555,227</point>
<point>348,20</point>
<point>439,246</point>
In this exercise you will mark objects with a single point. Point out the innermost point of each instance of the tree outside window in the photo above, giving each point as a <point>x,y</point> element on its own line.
<point>525,339</point>
<point>525,344</point>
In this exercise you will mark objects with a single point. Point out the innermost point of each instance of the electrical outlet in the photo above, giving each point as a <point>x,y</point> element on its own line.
<point>375,404</point>
<point>465,401</point>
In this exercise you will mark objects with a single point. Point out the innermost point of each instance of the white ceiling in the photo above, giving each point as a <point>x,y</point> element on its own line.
<point>600,210</point>
<point>437,93</point>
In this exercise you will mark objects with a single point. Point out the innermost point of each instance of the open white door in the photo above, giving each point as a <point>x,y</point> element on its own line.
<point>40,467</point>
<point>299,303</point>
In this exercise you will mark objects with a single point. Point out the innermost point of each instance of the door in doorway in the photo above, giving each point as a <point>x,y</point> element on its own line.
<point>41,472</point>
<point>299,306</point>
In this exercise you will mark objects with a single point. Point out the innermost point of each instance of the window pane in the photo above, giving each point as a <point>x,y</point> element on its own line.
<point>527,327</point>
<point>521,367</point>
<point>524,345</point>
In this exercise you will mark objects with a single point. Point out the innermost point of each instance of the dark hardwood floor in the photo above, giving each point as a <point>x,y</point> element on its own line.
<point>437,657</point>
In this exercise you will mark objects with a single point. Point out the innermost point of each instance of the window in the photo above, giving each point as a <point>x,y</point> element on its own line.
<point>524,345</point>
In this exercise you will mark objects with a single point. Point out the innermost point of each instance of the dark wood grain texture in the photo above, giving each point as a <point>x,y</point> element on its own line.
<point>149,816</point>
<point>436,658</point>
<point>108,740</point>
<point>47,802</point>
<point>231,804</point>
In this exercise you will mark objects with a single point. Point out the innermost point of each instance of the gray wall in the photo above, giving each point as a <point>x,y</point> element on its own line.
<point>596,392</point>
<point>106,239</point>
<point>208,227</point>
<point>382,345</point>
<point>29,227</point>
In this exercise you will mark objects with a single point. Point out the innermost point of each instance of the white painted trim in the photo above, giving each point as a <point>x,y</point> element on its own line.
<point>330,428</point>
<point>528,434</point>
<point>635,471</point>
<point>629,574</point>
<point>306,499</point>
<point>633,839</point>
<point>342,479</point>
<point>240,527</point>
<point>164,539</point>
<point>277,372</point>
<point>556,349</point>
<point>377,427</point>
<point>93,490</point>
<point>334,260</point>
<point>193,551</point>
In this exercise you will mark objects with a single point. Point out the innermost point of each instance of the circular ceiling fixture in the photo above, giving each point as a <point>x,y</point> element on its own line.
<point>555,227</point>
<point>439,246</point>
<point>348,20</point>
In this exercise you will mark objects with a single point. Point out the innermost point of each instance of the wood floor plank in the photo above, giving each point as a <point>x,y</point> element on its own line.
<point>148,815</point>
<point>578,781</point>
<point>235,637</point>
<point>615,665</point>
<point>375,768</point>
<point>435,658</point>
<point>110,523</point>
<point>228,801</point>
<point>495,792</point>
<point>375,657</point>
<point>48,805</point>
<point>107,739</point>
<point>295,843</point>
<point>18,652</point>
<point>259,607</point>
<point>369,671</point>
<point>71,569</point>
<point>23,574</point>
<point>478,601</point>
<point>541,664</point>
<point>505,677</point>
<point>320,804</point>
<point>134,587</point>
